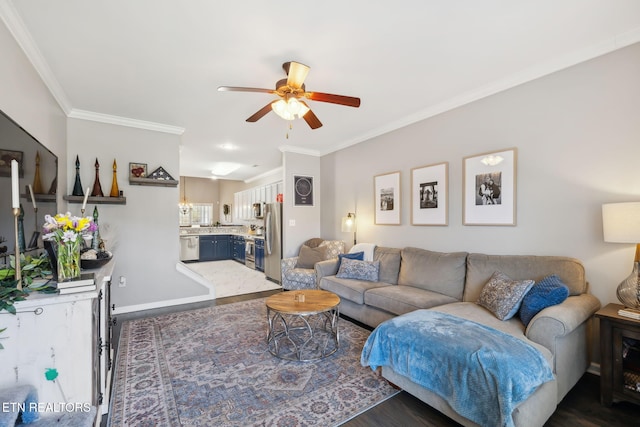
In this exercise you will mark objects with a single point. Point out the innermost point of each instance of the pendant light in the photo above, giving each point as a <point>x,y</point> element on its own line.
<point>184,207</point>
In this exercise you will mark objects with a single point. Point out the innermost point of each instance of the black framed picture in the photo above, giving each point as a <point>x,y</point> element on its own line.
<point>303,186</point>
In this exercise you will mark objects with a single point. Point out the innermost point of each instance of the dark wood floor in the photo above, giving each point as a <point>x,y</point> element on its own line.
<point>581,407</point>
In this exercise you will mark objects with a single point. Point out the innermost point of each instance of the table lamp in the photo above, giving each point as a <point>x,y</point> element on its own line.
<point>621,224</point>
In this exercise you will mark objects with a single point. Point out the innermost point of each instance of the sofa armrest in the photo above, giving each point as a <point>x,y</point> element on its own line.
<point>288,263</point>
<point>326,268</point>
<point>560,320</point>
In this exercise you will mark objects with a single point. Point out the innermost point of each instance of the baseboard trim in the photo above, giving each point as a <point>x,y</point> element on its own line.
<point>594,368</point>
<point>180,267</point>
<point>162,304</point>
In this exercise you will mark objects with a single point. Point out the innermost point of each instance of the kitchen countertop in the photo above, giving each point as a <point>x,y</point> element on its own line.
<point>203,231</point>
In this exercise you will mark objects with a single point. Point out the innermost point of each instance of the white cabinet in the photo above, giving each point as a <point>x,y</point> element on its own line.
<point>244,200</point>
<point>69,333</point>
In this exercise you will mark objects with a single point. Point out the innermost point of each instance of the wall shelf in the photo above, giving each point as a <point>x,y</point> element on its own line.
<point>154,182</point>
<point>97,200</point>
<point>40,197</point>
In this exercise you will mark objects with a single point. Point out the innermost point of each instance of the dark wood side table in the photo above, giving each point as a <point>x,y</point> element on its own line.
<point>619,364</point>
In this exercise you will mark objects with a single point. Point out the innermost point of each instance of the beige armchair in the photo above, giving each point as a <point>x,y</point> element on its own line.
<point>299,272</point>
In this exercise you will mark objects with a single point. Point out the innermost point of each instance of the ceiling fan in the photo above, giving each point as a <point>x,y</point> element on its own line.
<point>292,92</point>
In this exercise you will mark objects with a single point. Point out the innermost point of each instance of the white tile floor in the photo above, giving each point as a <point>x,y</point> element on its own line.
<point>230,278</point>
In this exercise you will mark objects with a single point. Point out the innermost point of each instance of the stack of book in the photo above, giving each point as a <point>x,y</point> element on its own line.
<point>631,313</point>
<point>85,283</point>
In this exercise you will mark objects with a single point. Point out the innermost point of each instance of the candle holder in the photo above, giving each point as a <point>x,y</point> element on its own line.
<point>16,214</point>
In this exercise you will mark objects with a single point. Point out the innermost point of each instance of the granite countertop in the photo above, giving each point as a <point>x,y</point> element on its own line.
<point>232,231</point>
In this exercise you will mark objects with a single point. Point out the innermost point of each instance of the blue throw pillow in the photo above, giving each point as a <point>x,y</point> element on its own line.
<point>355,255</point>
<point>545,293</point>
<point>361,270</point>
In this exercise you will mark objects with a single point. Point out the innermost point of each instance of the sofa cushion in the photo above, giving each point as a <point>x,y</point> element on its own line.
<point>476,313</point>
<point>313,242</point>
<point>308,257</point>
<point>434,271</point>
<point>389,263</point>
<point>503,296</point>
<point>351,255</point>
<point>333,248</point>
<point>349,289</point>
<point>304,276</point>
<point>480,267</point>
<point>403,299</point>
<point>360,270</point>
<point>545,293</point>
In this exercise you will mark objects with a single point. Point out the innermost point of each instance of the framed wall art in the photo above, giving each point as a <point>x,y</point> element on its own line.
<point>137,170</point>
<point>303,189</point>
<point>429,195</point>
<point>490,188</point>
<point>387,198</point>
<point>5,162</point>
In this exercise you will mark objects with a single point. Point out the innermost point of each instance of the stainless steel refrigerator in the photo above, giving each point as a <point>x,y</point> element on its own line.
<point>273,241</point>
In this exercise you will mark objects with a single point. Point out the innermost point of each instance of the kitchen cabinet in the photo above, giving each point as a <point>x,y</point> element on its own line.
<point>260,254</point>
<point>238,247</point>
<point>244,200</point>
<point>215,248</point>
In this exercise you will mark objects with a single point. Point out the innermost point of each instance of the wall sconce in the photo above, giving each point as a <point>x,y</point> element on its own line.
<point>621,224</point>
<point>349,225</point>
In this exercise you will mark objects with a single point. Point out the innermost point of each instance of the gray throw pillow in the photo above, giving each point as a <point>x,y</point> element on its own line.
<point>308,257</point>
<point>502,295</point>
<point>356,269</point>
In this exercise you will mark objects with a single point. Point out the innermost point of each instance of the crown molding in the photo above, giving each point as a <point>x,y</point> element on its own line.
<point>299,150</point>
<point>537,71</point>
<point>124,121</point>
<point>264,175</point>
<point>16,27</point>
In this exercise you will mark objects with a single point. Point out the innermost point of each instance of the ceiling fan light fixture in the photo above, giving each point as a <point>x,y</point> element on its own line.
<point>289,109</point>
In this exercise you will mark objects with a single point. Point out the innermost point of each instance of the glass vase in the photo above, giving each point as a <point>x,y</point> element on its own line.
<point>628,291</point>
<point>68,261</point>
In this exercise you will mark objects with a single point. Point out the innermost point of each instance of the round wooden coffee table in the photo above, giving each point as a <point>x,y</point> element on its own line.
<point>303,325</point>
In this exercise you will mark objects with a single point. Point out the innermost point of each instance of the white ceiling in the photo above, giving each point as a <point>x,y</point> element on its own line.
<point>157,63</point>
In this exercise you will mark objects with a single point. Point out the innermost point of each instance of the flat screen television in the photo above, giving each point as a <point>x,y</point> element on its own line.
<point>16,142</point>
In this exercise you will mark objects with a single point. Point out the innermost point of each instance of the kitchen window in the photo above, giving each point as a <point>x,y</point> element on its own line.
<point>199,214</point>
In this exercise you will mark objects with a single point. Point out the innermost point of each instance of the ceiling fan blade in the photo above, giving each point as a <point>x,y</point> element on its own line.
<point>244,89</point>
<point>296,73</point>
<point>349,101</point>
<point>260,113</point>
<point>311,119</point>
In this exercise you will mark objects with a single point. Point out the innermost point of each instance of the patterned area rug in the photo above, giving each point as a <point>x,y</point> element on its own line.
<point>211,367</point>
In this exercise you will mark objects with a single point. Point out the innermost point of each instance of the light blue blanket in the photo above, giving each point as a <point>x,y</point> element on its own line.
<point>481,372</point>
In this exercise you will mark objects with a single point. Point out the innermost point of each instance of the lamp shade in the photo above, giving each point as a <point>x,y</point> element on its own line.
<point>621,222</point>
<point>349,223</point>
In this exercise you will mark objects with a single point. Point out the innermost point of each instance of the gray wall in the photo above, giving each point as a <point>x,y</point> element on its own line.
<point>300,223</point>
<point>26,99</point>
<point>143,233</point>
<point>577,133</point>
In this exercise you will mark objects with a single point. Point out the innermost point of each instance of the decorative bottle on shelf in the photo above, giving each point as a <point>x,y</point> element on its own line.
<point>21,242</point>
<point>95,244</point>
<point>115,192</point>
<point>77,186</point>
<point>37,182</point>
<point>97,188</point>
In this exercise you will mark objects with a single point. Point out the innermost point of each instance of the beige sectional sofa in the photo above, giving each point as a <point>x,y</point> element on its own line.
<point>413,278</point>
